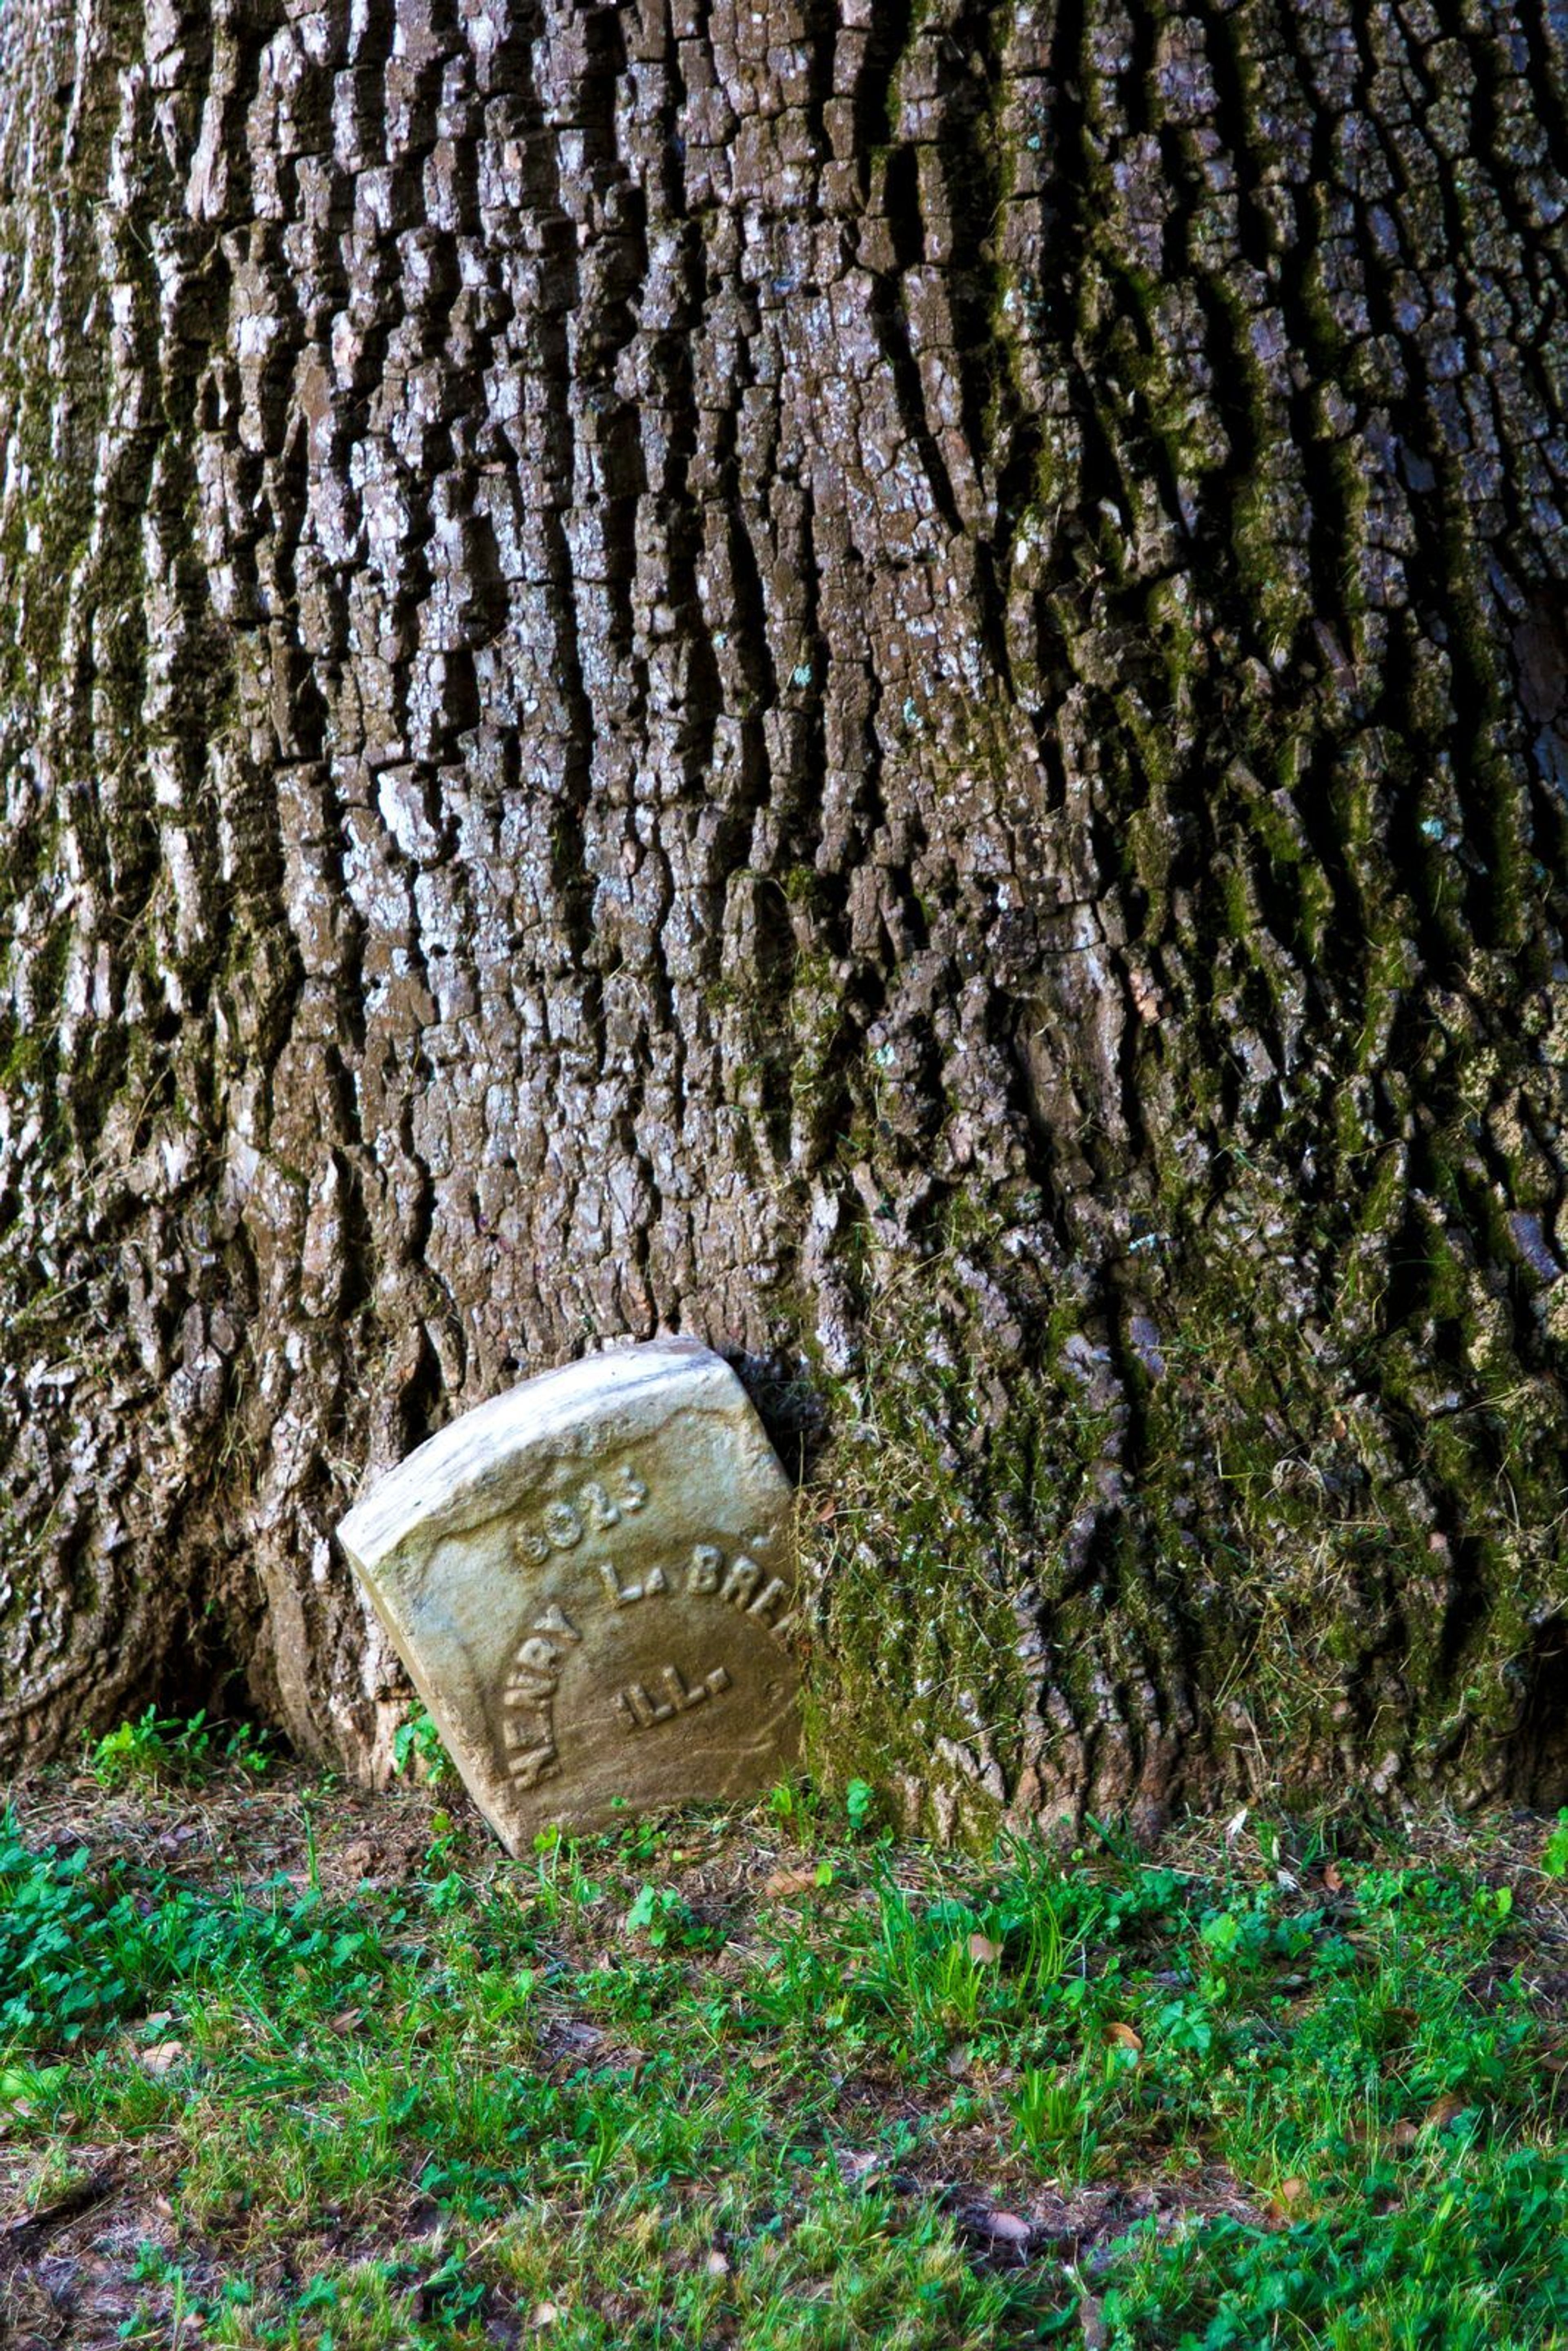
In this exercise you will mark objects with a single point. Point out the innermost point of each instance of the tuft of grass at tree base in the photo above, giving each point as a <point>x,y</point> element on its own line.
<point>284,2064</point>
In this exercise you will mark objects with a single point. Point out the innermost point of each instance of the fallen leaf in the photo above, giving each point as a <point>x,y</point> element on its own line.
<point>1445,2110</point>
<point>160,2055</point>
<point>1006,2228</point>
<point>984,1951</point>
<point>789,1881</point>
<point>545,2314</point>
<point>717,2264</point>
<point>162,2206</point>
<point>1091,2327</point>
<point>1333,1878</point>
<point>1123,2036</point>
<point>346,2018</point>
<point>1283,2203</point>
<point>958,2060</point>
<point>1403,2134</point>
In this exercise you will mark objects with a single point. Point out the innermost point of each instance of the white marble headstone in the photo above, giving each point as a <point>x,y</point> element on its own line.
<point>591,1582</point>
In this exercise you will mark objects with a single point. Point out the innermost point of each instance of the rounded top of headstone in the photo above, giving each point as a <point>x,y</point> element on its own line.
<point>462,1468</point>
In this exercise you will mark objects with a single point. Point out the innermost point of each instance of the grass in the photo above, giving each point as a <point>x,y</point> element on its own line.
<point>286,2063</point>
<point>154,1748</point>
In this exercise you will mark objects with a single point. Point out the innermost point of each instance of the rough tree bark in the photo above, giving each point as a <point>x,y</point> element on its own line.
<point>885,679</point>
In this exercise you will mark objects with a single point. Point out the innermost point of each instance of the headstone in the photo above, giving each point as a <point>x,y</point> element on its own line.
<point>591,1582</point>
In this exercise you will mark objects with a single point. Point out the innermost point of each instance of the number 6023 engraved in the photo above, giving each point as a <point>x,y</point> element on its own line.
<point>594,1507</point>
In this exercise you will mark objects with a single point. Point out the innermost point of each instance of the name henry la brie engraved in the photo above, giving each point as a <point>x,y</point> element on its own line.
<point>591,1580</point>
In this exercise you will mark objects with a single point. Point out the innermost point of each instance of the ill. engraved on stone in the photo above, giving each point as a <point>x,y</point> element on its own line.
<point>641,1712</point>
<point>591,1583</point>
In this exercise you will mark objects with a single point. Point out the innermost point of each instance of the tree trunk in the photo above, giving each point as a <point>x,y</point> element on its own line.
<point>884,681</point>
